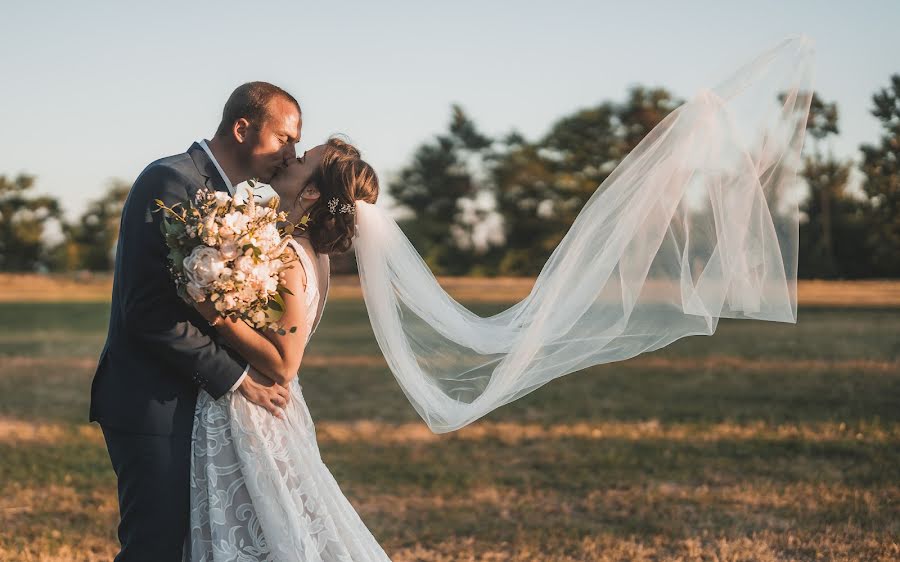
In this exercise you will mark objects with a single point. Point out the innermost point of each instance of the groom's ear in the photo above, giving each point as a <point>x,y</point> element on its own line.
<point>240,129</point>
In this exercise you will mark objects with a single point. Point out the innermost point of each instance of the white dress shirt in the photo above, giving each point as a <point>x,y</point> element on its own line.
<point>231,191</point>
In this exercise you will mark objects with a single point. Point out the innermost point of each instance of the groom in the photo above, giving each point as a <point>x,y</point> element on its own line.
<point>159,351</point>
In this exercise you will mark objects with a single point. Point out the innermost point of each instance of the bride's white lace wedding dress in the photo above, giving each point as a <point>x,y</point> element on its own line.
<point>259,488</point>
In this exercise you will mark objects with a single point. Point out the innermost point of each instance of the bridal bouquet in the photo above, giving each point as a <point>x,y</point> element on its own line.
<point>230,251</point>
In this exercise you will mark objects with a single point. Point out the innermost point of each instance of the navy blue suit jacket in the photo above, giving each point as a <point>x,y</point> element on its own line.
<point>159,351</point>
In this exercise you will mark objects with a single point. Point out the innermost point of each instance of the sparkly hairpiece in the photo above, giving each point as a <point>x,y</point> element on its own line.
<point>345,208</point>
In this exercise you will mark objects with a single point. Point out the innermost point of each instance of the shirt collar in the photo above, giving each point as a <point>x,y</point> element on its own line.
<point>218,167</point>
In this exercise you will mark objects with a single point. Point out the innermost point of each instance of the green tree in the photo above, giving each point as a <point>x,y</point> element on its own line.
<point>23,222</point>
<point>443,172</point>
<point>831,213</point>
<point>542,186</point>
<point>834,229</point>
<point>881,165</point>
<point>90,242</point>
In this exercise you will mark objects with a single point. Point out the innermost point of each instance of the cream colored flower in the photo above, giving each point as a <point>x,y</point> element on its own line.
<point>203,266</point>
<point>226,232</point>
<point>229,250</point>
<point>222,198</point>
<point>236,221</point>
<point>244,264</point>
<point>268,237</point>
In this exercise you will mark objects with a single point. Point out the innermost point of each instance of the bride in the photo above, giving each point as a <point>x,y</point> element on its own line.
<point>259,488</point>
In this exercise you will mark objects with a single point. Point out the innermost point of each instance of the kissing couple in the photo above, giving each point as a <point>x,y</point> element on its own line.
<point>203,416</point>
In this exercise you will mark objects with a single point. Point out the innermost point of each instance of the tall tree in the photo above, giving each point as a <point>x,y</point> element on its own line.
<point>443,172</point>
<point>881,165</point>
<point>542,186</point>
<point>90,242</point>
<point>828,205</point>
<point>23,222</point>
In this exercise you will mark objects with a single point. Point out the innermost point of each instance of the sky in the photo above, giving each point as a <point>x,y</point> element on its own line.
<point>97,90</point>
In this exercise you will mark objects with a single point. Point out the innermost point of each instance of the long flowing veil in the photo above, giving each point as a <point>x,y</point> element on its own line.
<point>699,222</point>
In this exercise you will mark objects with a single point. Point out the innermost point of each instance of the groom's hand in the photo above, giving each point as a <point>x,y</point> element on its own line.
<point>263,391</point>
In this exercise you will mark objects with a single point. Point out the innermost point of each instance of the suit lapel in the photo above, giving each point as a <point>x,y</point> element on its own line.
<point>212,178</point>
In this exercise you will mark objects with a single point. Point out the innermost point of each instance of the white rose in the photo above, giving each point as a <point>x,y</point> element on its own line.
<point>203,266</point>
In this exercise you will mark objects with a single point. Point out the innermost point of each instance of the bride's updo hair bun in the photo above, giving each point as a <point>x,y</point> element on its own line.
<point>347,177</point>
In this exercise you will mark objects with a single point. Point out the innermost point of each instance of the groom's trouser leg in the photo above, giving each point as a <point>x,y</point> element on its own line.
<point>153,474</point>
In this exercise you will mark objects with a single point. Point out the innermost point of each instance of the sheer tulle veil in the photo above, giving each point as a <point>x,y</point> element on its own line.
<point>699,222</point>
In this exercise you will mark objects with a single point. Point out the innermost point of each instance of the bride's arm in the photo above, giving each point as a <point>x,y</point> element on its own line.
<point>275,356</point>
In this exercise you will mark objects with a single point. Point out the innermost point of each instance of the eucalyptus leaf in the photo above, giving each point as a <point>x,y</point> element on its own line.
<point>177,257</point>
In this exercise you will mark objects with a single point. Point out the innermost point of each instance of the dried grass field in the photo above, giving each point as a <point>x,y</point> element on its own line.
<point>764,442</point>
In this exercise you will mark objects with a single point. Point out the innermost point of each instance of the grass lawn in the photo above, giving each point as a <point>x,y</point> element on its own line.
<point>766,441</point>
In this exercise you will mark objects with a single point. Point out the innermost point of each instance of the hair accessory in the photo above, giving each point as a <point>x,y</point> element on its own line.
<point>345,208</point>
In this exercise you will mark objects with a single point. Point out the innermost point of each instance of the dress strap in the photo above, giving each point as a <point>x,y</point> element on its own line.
<point>308,265</point>
<point>312,280</point>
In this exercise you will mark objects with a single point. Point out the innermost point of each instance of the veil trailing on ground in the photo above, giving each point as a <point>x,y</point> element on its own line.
<point>699,222</point>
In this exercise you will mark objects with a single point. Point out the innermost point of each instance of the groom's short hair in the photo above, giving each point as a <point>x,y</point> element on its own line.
<point>251,101</point>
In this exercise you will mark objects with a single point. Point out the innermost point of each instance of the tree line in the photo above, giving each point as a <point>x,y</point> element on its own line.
<point>499,206</point>
<point>479,205</point>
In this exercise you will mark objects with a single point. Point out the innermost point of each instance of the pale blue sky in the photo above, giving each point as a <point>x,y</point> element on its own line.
<point>94,90</point>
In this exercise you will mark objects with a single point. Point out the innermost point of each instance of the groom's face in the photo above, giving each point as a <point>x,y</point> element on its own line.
<point>271,144</point>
